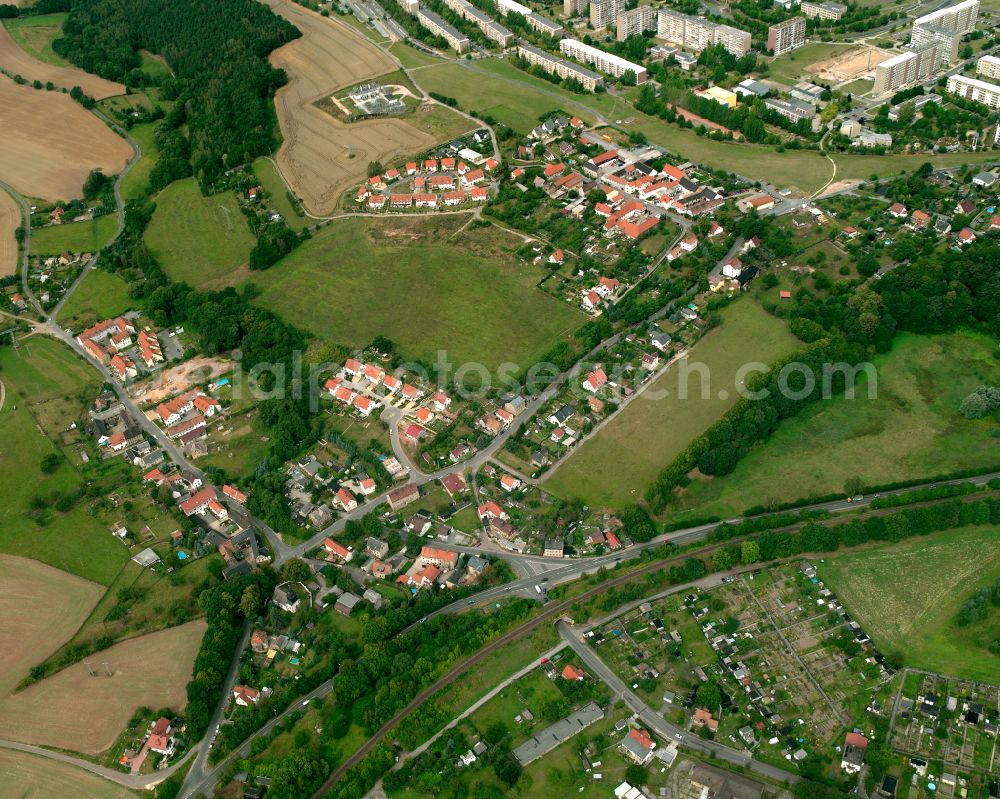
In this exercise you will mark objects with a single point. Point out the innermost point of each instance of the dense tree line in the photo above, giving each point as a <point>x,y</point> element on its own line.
<point>218,52</point>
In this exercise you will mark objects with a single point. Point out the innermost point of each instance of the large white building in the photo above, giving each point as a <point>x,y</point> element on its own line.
<point>555,65</point>
<point>606,62</point>
<point>915,65</point>
<point>946,27</point>
<point>988,66</point>
<point>820,10</point>
<point>536,21</point>
<point>974,89</point>
<point>604,12</point>
<point>784,37</point>
<point>697,33</point>
<point>635,21</point>
<point>457,40</point>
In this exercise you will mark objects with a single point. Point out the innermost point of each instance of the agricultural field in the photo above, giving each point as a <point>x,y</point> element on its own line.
<point>46,386</point>
<point>216,237</point>
<point>388,277</point>
<point>321,156</point>
<point>100,295</point>
<point>74,236</point>
<point>150,671</point>
<point>911,430</point>
<point>906,597</point>
<point>649,433</point>
<point>49,143</point>
<point>42,608</point>
<point>32,777</point>
<point>26,50</point>
<point>10,221</point>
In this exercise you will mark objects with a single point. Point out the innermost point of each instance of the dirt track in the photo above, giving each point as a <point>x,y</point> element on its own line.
<point>49,143</point>
<point>10,219</point>
<point>322,157</point>
<point>17,62</point>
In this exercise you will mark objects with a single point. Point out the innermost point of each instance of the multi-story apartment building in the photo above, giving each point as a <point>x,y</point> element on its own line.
<point>606,62</point>
<point>784,37</point>
<point>916,65</point>
<point>573,8</point>
<point>793,110</point>
<point>819,10</point>
<point>492,29</point>
<point>604,12</point>
<point>697,33</point>
<point>974,89</point>
<point>635,21</point>
<point>555,65</point>
<point>457,40</point>
<point>536,21</point>
<point>988,66</point>
<point>946,27</point>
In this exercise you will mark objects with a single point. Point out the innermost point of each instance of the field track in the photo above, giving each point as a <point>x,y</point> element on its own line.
<point>321,156</point>
<point>17,62</point>
<point>49,143</point>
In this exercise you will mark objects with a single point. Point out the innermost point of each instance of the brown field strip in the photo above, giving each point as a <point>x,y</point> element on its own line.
<point>49,143</point>
<point>41,608</point>
<point>10,220</point>
<point>321,156</point>
<point>32,777</point>
<point>82,713</point>
<point>17,62</point>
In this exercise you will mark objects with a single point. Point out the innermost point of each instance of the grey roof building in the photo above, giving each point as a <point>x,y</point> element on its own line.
<point>560,732</point>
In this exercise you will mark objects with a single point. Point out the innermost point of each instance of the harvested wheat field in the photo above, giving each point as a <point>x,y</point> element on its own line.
<point>17,62</point>
<point>10,219</point>
<point>42,608</point>
<point>321,156</point>
<point>32,777</point>
<point>850,64</point>
<point>150,671</point>
<point>49,143</point>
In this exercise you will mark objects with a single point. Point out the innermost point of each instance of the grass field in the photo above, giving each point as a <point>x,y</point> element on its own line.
<point>440,122</point>
<point>198,239</point>
<point>35,35</point>
<point>150,671</point>
<point>31,777</point>
<point>42,379</point>
<point>277,193</point>
<point>912,429</point>
<point>100,295</point>
<point>790,68</point>
<point>906,597</point>
<point>74,236</point>
<point>136,181</point>
<point>423,285</point>
<point>411,57</point>
<point>41,607</point>
<point>618,463</point>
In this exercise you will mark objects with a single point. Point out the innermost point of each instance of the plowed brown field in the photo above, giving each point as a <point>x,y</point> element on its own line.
<point>10,218</point>
<point>321,156</point>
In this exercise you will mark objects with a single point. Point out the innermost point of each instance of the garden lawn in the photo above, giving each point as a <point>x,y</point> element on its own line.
<point>74,236</point>
<point>35,34</point>
<point>40,371</point>
<point>617,465</point>
<point>906,598</point>
<point>422,284</point>
<point>911,430</point>
<point>100,295</point>
<point>198,239</point>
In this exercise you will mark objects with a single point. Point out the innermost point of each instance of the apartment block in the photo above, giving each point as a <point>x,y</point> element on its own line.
<point>832,11</point>
<point>604,12</point>
<point>916,65</point>
<point>697,33</point>
<point>786,36</point>
<point>457,40</point>
<point>974,89</point>
<point>946,27</point>
<point>606,62</point>
<point>492,29</point>
<point>793,110</point>
<point>573,8</point>
<point>988,66</point>
<point>555,65</point>
<point>634,22</point>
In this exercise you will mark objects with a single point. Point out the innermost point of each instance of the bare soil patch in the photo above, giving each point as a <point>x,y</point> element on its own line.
<point>41,608</point>
<point>49,143</point>
<point>82,713</point>
<point>17,62</point>
<point>10,220</point>
<point>851,64</point>
<point>182,377</point>
<point>322,156</point>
